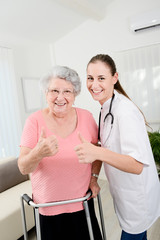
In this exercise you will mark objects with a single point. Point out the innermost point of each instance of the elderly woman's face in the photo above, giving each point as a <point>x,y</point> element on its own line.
<point>60,96</point>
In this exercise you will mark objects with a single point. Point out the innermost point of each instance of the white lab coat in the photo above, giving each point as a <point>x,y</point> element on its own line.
<point>136,197</point>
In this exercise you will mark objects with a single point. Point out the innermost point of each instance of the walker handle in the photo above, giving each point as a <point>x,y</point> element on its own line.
<point>27,198</point>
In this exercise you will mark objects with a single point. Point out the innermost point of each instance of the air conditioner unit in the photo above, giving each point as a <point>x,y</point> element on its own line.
<point>145,21</point>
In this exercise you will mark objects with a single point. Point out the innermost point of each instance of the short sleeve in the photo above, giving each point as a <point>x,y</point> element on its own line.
<point>133,135</point>
<point>29,136</point>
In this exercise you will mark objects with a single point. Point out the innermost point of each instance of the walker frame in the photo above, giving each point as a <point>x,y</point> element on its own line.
<point>35,206</point>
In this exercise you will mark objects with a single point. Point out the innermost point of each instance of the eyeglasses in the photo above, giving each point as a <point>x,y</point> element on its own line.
<point>55,92</point>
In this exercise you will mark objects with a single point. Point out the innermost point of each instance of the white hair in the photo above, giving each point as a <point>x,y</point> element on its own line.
<point>62,72</point>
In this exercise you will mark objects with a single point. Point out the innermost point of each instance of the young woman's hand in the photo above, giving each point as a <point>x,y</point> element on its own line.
<point>86,151</point>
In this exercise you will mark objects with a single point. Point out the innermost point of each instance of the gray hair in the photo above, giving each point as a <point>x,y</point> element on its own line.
<point>62,72</point>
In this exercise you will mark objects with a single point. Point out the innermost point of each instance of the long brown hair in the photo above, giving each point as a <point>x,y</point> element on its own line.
<point>111,64</point>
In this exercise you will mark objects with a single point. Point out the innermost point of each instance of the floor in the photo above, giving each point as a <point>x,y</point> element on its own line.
<point>113,230</point>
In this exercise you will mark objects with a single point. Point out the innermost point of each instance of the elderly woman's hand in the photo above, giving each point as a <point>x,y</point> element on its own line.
<point>47,146</point>
<point>94,187</point>
<point>30,158</point>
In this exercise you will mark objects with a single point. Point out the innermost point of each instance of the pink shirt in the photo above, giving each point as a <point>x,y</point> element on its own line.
<point>60,177</point>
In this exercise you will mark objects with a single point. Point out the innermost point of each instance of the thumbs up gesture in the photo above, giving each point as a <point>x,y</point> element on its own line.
<point>85,151</point>
<point>47,146</point>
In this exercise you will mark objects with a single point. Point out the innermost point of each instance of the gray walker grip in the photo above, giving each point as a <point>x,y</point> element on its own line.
<point>30,202</point>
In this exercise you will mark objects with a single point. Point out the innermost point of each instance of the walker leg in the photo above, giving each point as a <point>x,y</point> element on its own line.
<point>24,219</point>
<point>37,220</point>
<point>101,217</point>
<point>85,204</point>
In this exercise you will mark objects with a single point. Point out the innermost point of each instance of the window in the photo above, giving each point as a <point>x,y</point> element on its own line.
<point>10,126</point>
<point>139,74</point>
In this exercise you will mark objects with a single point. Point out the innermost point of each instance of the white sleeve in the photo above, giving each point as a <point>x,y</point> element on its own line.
<point>133,134</point>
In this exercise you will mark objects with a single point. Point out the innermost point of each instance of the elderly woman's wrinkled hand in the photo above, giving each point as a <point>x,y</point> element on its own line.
<point>47,146</point>
<point>94,186</point>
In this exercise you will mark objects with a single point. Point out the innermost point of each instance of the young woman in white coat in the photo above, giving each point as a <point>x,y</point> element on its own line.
<point>125,150</point>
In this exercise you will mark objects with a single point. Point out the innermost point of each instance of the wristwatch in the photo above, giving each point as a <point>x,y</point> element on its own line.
<point>95,175</point>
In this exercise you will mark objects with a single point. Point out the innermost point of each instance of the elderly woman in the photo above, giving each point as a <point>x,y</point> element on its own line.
<point>47,152</point>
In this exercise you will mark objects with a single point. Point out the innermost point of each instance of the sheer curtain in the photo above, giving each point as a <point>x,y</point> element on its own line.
<point>139,73</point>
<point>10,126</point>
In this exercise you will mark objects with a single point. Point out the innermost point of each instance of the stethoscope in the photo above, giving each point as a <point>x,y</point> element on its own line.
<point>107,115</point>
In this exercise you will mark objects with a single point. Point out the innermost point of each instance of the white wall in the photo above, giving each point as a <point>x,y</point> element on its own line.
<point>30,60</point>
<point>109,36</point>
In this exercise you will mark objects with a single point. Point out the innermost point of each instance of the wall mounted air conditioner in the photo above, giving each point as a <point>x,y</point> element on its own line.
<point>145,20</point>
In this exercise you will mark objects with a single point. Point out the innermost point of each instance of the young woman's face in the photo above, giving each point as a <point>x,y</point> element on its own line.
<point>60,96</point>
<point>100,81</point>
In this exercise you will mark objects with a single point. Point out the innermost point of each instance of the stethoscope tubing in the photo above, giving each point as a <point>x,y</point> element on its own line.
<point>108,114</point>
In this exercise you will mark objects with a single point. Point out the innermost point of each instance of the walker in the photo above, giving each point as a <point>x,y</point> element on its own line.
<point>30,202</point>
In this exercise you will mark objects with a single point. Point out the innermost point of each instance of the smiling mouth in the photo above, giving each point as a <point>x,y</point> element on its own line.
<point>96,92</point>
<point>60,104</point>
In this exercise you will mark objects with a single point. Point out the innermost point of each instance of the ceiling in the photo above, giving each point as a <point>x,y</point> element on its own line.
<point>46,20</point>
